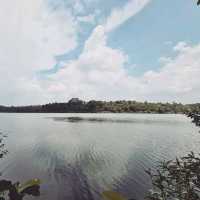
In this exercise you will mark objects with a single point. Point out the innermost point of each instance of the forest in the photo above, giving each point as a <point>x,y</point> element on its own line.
<point>76,105</point>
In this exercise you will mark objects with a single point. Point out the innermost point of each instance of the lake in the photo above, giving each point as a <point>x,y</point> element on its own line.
<point>78,156</point>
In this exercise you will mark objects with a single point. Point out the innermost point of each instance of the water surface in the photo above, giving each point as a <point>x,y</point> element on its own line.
<point>77,156</point>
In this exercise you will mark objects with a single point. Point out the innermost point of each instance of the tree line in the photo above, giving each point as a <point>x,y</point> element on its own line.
<point>78,106</point>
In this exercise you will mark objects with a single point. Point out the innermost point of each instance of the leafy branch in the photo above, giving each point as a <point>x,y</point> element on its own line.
<point>179,179</point>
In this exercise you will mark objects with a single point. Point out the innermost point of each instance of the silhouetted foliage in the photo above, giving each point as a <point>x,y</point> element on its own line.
<point>3,150</point>
<point>16,191</point>
<point>78,106</point>
<point>179,179</point>
<point>195,118</point>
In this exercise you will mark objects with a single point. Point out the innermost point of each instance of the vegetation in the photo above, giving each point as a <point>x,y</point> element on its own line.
<point>177,180</point>
<point>76,105</point>
<point>172,180</point>
<point>16,191</point>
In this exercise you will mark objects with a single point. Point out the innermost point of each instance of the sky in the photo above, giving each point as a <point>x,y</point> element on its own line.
<point>54,50</point>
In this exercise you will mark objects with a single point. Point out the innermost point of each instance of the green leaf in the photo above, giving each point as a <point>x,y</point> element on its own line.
<point>110,195</point>
<point>28,184</point>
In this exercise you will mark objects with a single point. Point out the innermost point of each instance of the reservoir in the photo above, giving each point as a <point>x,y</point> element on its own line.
<point>78,156</point>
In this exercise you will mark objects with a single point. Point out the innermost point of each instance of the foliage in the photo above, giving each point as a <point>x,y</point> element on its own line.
<point>3,150</point>
<point>172,180</point>
<point>16,191</point>
<point>176,180</point>
<point>77,105</point>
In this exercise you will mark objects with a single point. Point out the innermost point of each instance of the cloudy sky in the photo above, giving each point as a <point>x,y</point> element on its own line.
<point>53,50</point>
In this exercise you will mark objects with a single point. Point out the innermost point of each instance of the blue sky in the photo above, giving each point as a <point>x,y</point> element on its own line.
<point>152,33</point>
<point>147,36</point>
<point>96,49</point>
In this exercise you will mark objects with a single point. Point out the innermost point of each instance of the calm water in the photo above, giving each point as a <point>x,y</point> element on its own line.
<point>78,158</point>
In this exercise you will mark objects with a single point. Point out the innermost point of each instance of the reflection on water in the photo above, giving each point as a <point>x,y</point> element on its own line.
<point>16,191</point>
<point>92,119</point>
<point>98,119</point>
<point>96,152</point>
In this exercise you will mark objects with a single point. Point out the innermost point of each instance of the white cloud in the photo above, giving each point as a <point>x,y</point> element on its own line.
<point>32,34</point>
<point>98,73</point>
<point>87,19</point>
<point>98,70</point>
<point>164,60</point>
<point>119,15</point>
<point>181,46</point>
<point>78,7</point>
<point>178,79</point>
